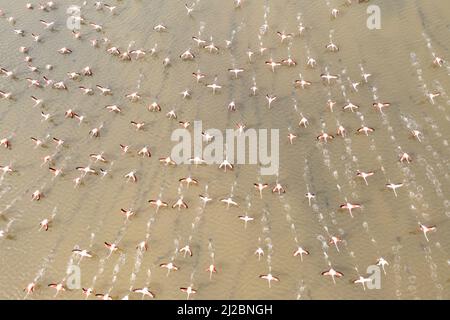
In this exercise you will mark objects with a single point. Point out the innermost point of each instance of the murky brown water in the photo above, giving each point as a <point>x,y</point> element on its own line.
<point>399,56</point>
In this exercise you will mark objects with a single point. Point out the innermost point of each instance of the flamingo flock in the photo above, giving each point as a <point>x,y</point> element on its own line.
<point>61,147</point>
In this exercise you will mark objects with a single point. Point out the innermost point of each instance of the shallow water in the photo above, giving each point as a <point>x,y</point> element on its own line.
<point>399,56</point>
